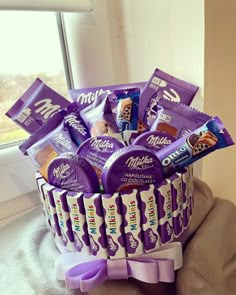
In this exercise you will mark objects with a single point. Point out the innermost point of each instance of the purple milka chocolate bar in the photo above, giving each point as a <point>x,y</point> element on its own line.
<point>64,218</point>
<point>132,220</point>
<point>186,198</point>
<point>177,203</point>
<point>149,218</point>
<point>114,225</point>
<point>78,222</point>
<point>51,210</point>
<point>35,106</point>
<point>96,225</point>
<point>164,205</point>
<point>190,176</point>
<point>163,85</point>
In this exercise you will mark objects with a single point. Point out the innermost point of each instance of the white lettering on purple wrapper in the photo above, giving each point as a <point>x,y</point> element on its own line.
<point>47,109</point>
<point>61,171</point>
<point>139,162</point>
<point>156,140</point>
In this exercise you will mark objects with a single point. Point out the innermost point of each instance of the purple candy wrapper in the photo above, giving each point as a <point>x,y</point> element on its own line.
<point>154,140</point>
<point>163,85</point>
<point>177,203</point>
<point>64,218</point>
<point>114,225</point>
<point>132,220</point>
<point>164,205</point>
<point>78,130</point>
<point>178,120</point>
<point>35,106</point>
<point>86,96</point>
<point>99,117</point>
<point>97,150</point>
<point>190,176</point>
<point>129,136</point>
<point>52,214</point>
<point>96,225</point>
<point>130,167</point>
<point>186,199</point>
<point>149,218</point>
<point>78,221</point>
<point>72,172</point>
<point>185,151</point>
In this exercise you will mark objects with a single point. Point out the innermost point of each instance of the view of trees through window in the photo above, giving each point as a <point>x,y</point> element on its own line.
<point>30,48</point>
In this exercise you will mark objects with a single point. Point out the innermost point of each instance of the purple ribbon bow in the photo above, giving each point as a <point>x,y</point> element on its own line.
<point>88,275</point>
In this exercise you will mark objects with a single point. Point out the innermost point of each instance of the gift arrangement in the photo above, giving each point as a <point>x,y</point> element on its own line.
<point>115,174</point>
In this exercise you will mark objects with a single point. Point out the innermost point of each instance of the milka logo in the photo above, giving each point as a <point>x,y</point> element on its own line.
<point>101,144</point>
<point>61,171</point>
<point>169,229</point>
<point>46,109</point>
<point>139,162</point>
<point>133,243</point>
<point>152,237</point>
<point>93,245</point>
<point>112,245</point>
<point>157,140</point>
<point>72,121</point>
<point>91,96</point>
<point>60,139</point>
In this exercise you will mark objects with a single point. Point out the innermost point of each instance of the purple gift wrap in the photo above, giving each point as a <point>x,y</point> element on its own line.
<point>154,140</point>
<point>132,220</point>
<point>72,172</point>
<point>186,199</point>
<point>163,85</point>
<point>35,106</point>
<point>130,167</point>
<point>149,218</point>
<point>64,218</point>
<point>164,205</point>
<point>177,203</point>
<point>114,225</point>
<point>78,222</point>
<point>51,210</point>
<point>96,225</point>
<point>86,96</point>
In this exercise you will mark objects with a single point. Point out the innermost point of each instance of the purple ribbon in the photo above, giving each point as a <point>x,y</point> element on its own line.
<point>88,275</point>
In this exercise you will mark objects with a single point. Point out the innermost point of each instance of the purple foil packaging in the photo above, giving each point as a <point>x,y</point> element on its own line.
<point>112,208</point>
<point>132,222</point>
<point>52,214</point>
<point>97,150</point>
<point>163,85</point>
<point>78,222</point>
<point>154,140</point>
<point>186,150</point>
<point>178,120</point>
<point>86,96</point>
<point>149,218</point>
<point>35,106</point>
<point>64,218</point>
<point>72,172</point>
<point>186,199</point>
<point>130,167</point>
<point>96,225</point>
<point>177,203</point>
<point>99,118</point>
<point>75,124</point>
<point>164,205</point>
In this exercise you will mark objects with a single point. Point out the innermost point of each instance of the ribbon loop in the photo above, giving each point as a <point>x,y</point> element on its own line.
<point>117,269</point>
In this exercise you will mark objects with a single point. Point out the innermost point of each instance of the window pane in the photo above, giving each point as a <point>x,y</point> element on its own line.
<point>30,48</point>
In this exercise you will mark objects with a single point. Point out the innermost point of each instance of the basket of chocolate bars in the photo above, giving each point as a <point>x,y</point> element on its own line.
<point>115,174</point>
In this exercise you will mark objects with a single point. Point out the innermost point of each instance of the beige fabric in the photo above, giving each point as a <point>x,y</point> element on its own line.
<point>210,257</point>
